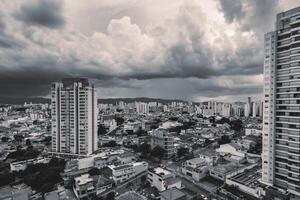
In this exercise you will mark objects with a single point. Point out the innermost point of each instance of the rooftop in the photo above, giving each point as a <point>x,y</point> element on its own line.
<point>130,195</point>
<point>171,180</point>
<point>160,171</point>
<point>172,194</point>
<point>83,179</point>
<point>121,166</point>
<point>248,178</point>
<point>196,161</point>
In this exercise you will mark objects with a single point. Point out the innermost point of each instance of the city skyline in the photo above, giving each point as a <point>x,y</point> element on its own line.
<point>147,100</point>
<point>177,49</point>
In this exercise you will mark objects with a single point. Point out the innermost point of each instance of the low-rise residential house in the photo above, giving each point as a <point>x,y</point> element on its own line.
<point>60,194</point>
<point>84,187</point>
<point>163,179</point>
<point>231,148</point>
<point>21,191</point>
<point>133,126</point>
<point>247,142</point>
<point>196,168</point>
<point>22,165</point>
<point>209,155</point>
<point>122,173</point>
<point>147,125</point>
<point>76,167</point>
<point>220,171</point>
<point>102,184</point>
<point>253,131</point>
<point>126,158</point>
<point>111,124</point>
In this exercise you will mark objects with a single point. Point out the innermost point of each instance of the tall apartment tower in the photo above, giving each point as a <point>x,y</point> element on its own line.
<point>248,107</point>
<point>281,118</point>
<point>74,116</point>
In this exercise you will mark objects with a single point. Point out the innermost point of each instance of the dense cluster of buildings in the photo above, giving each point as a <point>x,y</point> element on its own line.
<point>172,150</point>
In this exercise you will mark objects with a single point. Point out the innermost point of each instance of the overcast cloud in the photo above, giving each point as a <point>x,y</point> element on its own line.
<point>170,49</point>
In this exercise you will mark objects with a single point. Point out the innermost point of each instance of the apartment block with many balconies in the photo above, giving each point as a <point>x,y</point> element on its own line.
<point>281,119</point>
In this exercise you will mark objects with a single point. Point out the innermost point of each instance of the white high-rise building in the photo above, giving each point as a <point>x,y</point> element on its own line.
<point>281,119</point>
<point>226,110</point>
<point>74,117</point>
<point>142,108</point>
<point>256,109</point>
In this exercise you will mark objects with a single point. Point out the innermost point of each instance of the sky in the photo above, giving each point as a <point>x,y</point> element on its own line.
<point>193,50</point>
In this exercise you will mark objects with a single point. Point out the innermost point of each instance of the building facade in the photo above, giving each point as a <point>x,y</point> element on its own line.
<point>163,179</point>
<point>122,173</point>
<point>281,121</point>
<point>163,138</point>
<point>197,168</point>
<point>74,117</point>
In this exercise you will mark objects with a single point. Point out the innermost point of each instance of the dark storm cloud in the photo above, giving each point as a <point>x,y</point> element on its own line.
<point>48,13</point>
<point>257,15</point>
<point>153,60</point>
<point>232,9</point>
<point>248,61</point>
<point>7,41</point>
<point>213,90</point>
<point>25,77</point>
<point>264,14</point>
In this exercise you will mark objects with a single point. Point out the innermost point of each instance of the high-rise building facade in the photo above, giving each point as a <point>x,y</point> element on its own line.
<point>248,107</point>
<point>74,117</point>
<point>142,108</point>
<point>281,119</point>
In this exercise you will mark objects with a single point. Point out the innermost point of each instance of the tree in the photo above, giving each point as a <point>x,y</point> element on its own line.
<point>47,140</point>
<point>236,125</point>
<point>224,140</point>
<point>176,129</point>
<point>173,118</point>
<point>144,149</point>
<point>43,177</point>
<point>110,196</point>
<point>21,154</point>
<point>18,138</point>
<point>94,171</point>
<point>111,143</point>
<point>182,152</point>
<point>140,132</point>
<point>119,120</point>
<point>101,130</point>
<point>28,142</point>
<point>144,179</point>
<point>4,139</point>
<point>158,152</point>
<point>207,142</point>
<point>223,121</point>
<point>212,119</point>
<point>119,110</point>
<point>6,178</point>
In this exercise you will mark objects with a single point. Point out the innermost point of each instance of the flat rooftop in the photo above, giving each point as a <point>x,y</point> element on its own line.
<point>120,166</point>
<point>172,193</point>
<point>249,178</point>
<point>196,161</point>
<point>83,179</point>
<point>160,171</point>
